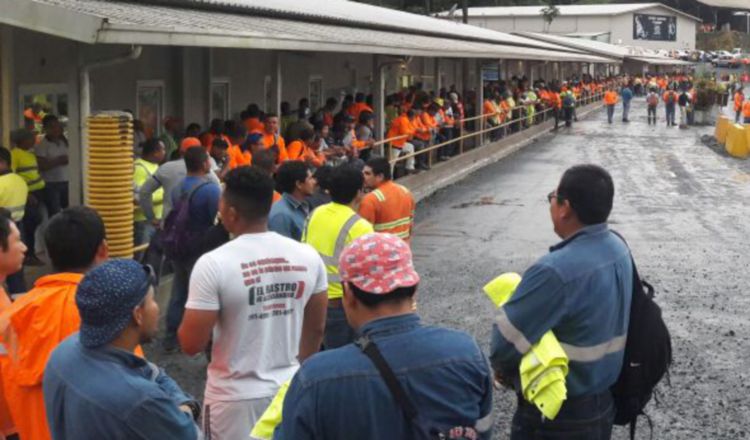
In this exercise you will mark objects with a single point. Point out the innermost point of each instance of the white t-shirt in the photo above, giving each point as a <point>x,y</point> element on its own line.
<point>51,150</point>
<point>260,284</point>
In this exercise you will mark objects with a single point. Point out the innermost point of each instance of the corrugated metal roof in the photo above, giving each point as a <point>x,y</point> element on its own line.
<point>348,13</point>
<point>591,46</point>
<point>607,49</point>
<point>579,10</point>
<point>140,23</point>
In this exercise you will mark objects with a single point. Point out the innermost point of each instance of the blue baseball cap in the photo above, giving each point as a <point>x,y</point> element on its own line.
<point>106,298</point>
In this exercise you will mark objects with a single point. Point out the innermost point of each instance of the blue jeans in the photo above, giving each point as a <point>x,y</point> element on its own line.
<point>625,110</point>
<point>337,333</point>
<point>610,113</point>
<point>581,418</point>
<point>55,197</point>
<point>178,298</point>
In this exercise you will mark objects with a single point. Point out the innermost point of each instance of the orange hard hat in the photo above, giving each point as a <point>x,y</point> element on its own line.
<point>189,142</point>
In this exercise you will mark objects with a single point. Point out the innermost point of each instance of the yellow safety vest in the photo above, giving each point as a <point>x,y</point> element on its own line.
<point>142,171</point>
<point>329,229</point>
<point>13,195</point>
<point>24,164</point>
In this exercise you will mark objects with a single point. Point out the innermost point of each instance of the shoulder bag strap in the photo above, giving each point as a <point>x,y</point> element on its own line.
<point>371,351</point>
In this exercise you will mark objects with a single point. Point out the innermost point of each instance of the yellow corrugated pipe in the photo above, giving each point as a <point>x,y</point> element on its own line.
<point>109,187</point>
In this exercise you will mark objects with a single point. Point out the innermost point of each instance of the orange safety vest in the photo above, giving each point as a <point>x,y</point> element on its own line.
<point>239,158</point>
<point>269,140</point>
<point>357,108</point>
<point>746,109</point>
<point>739,98</point>
<point>6,421</point>
<point>421,132</point>
<point>253,125</point>
<point>390,208</point>
<point>207,140</point>
<point>31,329</point>
<point>610,97</point>
<point>401,126</point>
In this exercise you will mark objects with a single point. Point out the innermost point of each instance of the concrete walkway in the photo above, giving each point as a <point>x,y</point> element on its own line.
<point>683,209</point>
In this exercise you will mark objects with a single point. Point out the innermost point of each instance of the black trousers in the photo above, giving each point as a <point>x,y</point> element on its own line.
<point>580,418</point>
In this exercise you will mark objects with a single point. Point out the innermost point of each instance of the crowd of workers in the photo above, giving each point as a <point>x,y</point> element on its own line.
<point>311,252</point>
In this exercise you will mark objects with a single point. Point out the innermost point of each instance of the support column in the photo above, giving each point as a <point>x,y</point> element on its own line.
<point>480,101</point>
<point>438,82</point>
<point>276,86</point>
<point>6,84</point>
<point>378,95</point>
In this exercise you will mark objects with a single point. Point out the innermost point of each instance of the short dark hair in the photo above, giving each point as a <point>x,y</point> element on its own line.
<point>150,146</point>
<point>21,135</point>
<point>249,190</point>
<point>48,120</point>
<point>372,300</point>
<point>265,160</point>
<point>590,191</point>
<point>289,173</point>
<point>380,166</point>
<point>5,222</point>
<point>219,143</point>
<point>73,237</point>
<point>346,181</point>
<point>195,158</point>
<point>323,176</point>
<point>270,115</point>
<point>5,155</point>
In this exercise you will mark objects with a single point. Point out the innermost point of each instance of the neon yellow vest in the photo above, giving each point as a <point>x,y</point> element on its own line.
<point>24,164</point>
<point>13,195</point>
<point>329,229</point>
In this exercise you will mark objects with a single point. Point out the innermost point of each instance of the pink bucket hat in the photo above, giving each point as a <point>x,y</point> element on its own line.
<point>378,263</point>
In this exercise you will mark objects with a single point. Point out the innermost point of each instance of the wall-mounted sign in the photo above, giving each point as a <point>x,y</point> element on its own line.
<point>654,27</point>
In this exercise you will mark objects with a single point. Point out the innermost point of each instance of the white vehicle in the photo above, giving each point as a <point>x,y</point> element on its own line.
<point>725,61</point>
<point>736,51</point>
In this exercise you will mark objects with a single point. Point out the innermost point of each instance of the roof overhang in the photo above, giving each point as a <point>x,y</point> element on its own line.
<point>728,4</point>
<point>662,61</point>
<point>107,22</point>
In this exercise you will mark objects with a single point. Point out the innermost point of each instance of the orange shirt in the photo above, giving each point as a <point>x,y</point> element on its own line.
<point>739,98</point>
<point>207,140</point>
<point>238,158</point>
<point>253,125</point>
<point>270,139</point>
<point>298,150</point>
<point>6,421</point>
<point>401,126</point>
<point>746,109</point>
<point>357,108</point>
<point>421,132</point>
<point>276,197</point>
<point>610,97</point>
<point>38,321</point>
<point>390,208</point>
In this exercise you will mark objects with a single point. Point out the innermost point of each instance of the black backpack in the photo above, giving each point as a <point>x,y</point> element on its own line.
<point>648,355</point>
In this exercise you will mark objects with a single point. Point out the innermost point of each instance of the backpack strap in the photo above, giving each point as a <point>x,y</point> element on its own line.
<point>371,350</point>
<point>189,195</point>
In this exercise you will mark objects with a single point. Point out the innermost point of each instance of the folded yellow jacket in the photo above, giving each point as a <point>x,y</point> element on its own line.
<point>264,427</point>
<point>544,367</point>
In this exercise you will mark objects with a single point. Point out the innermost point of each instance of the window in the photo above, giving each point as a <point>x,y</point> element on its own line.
<point>41,100</point>
<point>315,92</point>
<point>220,99</point>
<point>149,106</point>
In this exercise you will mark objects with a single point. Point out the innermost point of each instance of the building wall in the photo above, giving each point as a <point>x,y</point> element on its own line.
<point>620,27</point>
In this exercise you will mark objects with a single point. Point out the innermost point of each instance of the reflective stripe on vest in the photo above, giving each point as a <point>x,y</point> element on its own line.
<point>384,226</point>
<point>16,213</point>
<point>333,261</point>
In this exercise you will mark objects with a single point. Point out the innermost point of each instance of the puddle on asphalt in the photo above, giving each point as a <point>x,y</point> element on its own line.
<point>486,201</point>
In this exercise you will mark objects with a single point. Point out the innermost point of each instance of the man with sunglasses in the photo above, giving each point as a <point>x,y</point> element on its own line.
<point>581,291</point>
<point>95,386</point>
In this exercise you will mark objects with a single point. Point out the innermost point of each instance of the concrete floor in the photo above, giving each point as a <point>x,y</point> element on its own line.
<point>683,209</point>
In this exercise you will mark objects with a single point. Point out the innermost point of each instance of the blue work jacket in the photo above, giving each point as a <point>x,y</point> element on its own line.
<point>111,393</point>
<point>581,291</point>
<point>340,395</point>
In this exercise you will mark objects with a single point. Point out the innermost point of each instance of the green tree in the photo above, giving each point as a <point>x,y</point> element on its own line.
<point>549,12</point>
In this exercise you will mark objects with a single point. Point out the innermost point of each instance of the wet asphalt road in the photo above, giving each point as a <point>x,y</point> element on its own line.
<point>681,205</point>
<point>683,209</point>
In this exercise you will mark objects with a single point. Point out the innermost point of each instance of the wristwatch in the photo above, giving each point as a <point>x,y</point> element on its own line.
<point>195,408</point>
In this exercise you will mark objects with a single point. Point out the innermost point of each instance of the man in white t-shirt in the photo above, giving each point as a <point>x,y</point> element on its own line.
<point>263,297</point>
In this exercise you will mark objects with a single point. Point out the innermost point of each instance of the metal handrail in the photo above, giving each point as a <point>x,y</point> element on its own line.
<point>589,99</point>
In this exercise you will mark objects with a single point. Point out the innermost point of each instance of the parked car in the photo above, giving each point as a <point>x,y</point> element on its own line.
<point>726,61</point>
